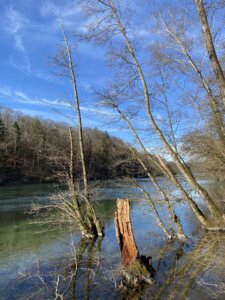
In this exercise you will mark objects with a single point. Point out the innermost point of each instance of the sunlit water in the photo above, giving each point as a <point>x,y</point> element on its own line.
<point>33,255</point>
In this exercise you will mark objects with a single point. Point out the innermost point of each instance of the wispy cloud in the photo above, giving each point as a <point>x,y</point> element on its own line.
<point>5,91</point>
<point>98,111</point>
<point>56,103</point>
<point>22,97</point>
<point>66,10</point>
<point>14,22</point>
<point>70,11</point>
<point>60,110</point>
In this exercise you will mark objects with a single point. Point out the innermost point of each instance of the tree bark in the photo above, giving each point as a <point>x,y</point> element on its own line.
<point>136,268</point>
<point>92,220</point>
<point>167,171</point>
<point>217,114</point>
<point>128,249</point>
<point>211,49</point>
<point>215,211</point>
<point>75,206</point>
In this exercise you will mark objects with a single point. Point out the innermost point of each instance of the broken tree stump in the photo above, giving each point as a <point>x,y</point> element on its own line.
<point>136,268</point>
<point>128,248</point>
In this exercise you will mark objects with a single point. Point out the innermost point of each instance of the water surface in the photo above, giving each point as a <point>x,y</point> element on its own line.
<point>34,257</point>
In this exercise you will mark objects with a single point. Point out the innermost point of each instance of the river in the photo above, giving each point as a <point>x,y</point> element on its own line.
<point>34,257</point>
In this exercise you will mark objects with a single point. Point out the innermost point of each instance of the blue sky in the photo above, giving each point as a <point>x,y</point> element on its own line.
<point>30,34</point>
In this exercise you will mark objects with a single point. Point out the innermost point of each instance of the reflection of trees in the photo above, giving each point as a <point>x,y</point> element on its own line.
<point>143,291</point>
<point>187,269</point>
<point>55,281</point>
<point>85,264</point>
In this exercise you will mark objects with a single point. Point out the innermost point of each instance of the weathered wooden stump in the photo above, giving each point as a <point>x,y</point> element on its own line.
<point>128,248</point>
<point>135,268</point>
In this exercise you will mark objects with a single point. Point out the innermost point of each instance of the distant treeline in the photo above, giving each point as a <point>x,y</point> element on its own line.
<point>35,150</point>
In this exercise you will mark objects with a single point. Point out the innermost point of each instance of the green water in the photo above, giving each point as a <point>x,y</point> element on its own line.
<point>32,255</point>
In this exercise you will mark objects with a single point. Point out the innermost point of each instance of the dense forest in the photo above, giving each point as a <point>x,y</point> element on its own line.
<point>35,150</point>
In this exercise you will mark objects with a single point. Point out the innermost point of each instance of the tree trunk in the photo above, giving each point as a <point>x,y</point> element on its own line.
<point>197,211</point>
<point>179,233</point>
<point>215,211</point>
<point>220,78</point>
<point>127,245</point>
<point>93,222</point>
<point>136,268</point>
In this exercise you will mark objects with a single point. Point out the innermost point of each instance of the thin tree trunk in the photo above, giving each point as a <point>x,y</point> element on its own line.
<point>84,228</point>
<point>167,171</point>
<point>155,211</point>
<point>217,115</point>
<point>197,211</point>
<point>179,230</point>
<point>183,168</point>
<point>93,221</point>
<point>71,157</point>
<point>211,49</point>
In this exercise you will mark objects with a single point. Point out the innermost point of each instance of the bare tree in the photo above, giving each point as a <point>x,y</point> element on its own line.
<point>182,58</point>
<point>213,57</point>
<point>161,165</point>
<point>89,223</point>
<point>109,24</point>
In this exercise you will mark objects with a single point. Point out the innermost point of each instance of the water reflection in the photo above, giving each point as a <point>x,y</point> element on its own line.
<point>87,267</point>
<point>198,266</point>
<point>193,270</point>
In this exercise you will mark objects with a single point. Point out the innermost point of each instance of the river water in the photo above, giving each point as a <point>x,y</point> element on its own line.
<point>34,257</point>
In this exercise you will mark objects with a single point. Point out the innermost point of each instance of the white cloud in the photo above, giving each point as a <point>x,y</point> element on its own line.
<point>21,95</point>
<point>23,98</point>
<point>100,111</point>
<point>14,22</point>
<point>69,10</point>
<point>5,91</point>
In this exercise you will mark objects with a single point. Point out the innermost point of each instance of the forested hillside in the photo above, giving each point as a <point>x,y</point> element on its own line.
<point>34,150</point>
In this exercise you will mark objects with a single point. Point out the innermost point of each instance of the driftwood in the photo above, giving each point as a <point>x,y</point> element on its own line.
<point>135,268</point>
